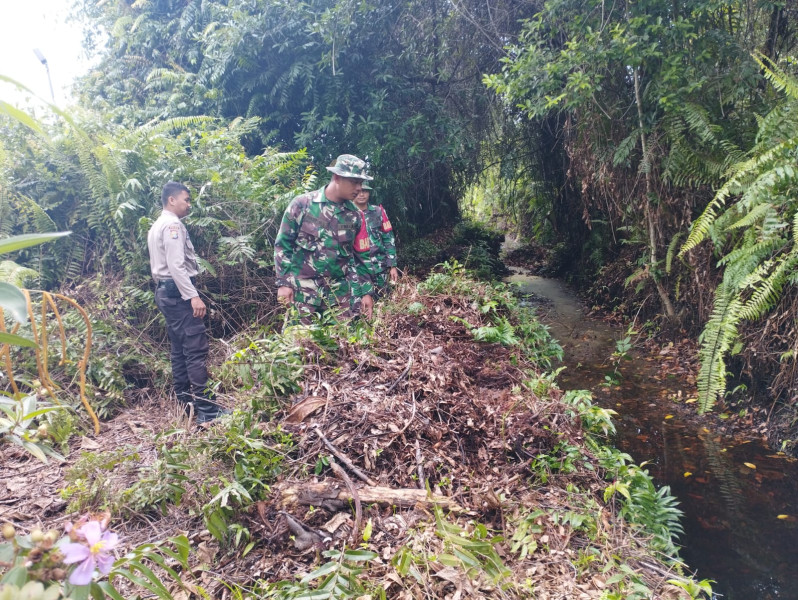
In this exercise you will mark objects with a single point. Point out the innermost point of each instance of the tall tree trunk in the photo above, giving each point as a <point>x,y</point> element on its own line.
<point>776,24</point>
<point>647,208</point>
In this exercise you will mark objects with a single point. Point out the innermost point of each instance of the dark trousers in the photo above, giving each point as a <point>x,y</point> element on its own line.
<point>189,346</point>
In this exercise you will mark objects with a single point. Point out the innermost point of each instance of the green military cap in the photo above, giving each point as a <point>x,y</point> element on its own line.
<point>347,165</point>
<point>366,187</point>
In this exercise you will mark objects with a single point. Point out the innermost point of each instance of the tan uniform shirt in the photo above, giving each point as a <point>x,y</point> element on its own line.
<point>172,254</point>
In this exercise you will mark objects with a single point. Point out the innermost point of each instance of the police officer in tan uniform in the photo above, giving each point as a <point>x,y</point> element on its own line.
<point>174,265</point>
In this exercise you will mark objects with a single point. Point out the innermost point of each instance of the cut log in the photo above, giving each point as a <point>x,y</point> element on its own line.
<point>334,495</point>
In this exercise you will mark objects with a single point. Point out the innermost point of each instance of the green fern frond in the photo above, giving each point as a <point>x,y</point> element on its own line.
<point>761,229</point>
<point>11,272</point>
<point>671,251</point>
<point>743,260</point>
<point>748,220</point>
<point>41,220</point>
<point>767,283</point>
<point>777,77</point>
<point>716,340</point>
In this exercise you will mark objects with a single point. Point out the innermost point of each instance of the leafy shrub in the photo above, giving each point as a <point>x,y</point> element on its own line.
<point>642,504</point>
<point>758,234</point>
<point>470,233</point>
<point>255,455</point>
<point>272,364</point>
<point>17,420</point>
<point>418,255</point>
<point>480,248</point>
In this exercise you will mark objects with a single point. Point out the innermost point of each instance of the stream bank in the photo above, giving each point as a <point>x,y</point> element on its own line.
<point>740,499</point>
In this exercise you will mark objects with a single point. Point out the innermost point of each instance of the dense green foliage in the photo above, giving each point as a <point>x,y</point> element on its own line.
<point>648,99</point>
<point>649,107</point>
<point>396,83</point>
<point>753,219</point>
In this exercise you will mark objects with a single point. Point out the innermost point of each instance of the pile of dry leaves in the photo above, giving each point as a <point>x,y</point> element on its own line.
<point>417,446</point>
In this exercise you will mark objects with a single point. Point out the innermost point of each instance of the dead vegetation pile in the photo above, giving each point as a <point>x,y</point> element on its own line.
<point>432,457</point>
<point>425,432</point>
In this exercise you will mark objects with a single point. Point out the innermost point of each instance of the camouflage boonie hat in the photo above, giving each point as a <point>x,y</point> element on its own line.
<point>366,187</point>
<point>347,165</point>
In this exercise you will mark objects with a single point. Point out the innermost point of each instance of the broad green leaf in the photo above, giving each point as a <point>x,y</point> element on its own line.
<point>206,266</point>
<point>110,590</point>
<point>359,555</point>
<point>13,300</point>
<point>22,117</point>
<point>35,449</point>
<point>323,570</point>
<point>96,591</point>
<point>17,242</point>
<point>17,576</point>
<point>15,340</point>
<point>79,592</point>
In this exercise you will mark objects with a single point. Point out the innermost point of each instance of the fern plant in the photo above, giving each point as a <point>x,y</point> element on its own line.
<point>337,579</point>
<point>754,218</point>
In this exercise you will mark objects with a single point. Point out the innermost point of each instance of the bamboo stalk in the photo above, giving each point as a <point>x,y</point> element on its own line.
<point>61,330</point>
<point>84,362</point>
<point>5,353</point>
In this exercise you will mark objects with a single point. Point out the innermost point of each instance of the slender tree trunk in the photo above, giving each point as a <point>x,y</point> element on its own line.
<point>649,213</point>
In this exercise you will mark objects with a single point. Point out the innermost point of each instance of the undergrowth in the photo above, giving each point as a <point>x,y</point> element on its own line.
<point>224,475</point>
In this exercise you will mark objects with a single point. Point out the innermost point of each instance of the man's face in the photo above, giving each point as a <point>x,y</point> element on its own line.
<point>362,198</point>
<point>180,204</point>
<point>349,187</point>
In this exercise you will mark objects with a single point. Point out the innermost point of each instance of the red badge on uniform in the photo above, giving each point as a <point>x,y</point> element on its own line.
<point>386,224</point>
<point>174,231</point>
<point>362,243</point>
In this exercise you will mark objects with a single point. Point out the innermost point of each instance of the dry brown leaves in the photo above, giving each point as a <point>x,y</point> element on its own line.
<point>423,410</point>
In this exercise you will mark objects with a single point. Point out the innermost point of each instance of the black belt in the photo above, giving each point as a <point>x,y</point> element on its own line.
<point>171,282</point>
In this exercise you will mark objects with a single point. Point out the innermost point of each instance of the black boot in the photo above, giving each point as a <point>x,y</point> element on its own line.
<point>207,410</point>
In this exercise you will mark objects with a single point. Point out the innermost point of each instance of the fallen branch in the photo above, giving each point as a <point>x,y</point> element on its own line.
<point>344,459</point>
<point>332,495</point>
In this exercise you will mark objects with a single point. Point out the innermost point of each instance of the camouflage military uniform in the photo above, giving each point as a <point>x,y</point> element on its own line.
<point>382,249</point>
<point>313,254</point>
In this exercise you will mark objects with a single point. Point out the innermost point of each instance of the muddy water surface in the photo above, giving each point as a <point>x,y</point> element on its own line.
<point>740,520</point>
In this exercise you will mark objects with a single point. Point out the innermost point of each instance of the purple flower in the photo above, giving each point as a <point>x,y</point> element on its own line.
<point>97,552</point>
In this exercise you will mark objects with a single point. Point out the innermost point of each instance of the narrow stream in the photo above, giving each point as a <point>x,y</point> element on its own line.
<point>740,520</point>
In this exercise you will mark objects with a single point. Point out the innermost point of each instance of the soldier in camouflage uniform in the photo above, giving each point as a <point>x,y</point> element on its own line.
<point>379,253</point>
<point>313,252</point>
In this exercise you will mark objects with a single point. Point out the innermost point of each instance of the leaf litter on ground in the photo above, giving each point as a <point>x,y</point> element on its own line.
<point>446,428</point>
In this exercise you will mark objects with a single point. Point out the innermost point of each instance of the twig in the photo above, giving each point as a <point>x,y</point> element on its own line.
<point>409,364</point>
<point>413,416</point>
<point>401,376</point>
<point>422,480</point>
<point>660,570</point>
<point>355,498</point>
<point>344,459</point>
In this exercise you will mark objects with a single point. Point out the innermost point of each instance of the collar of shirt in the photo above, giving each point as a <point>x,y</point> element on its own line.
<point>321,198</point>
<point>169,215</point>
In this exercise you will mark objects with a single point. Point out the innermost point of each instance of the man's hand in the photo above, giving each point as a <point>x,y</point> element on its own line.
<point>394,275</point>
<point>367,306</point>
<point>285,295</point>
<point>198,306</point>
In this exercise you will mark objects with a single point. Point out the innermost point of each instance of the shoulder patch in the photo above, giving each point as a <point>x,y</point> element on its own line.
<point>174,231</point>
<point>386,224</point>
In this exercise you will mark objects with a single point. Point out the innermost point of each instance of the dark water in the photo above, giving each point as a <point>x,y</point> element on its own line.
<point>740,521</point>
